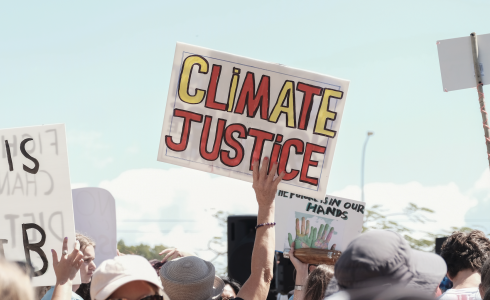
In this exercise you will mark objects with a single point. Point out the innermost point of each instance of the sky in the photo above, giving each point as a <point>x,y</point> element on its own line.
<point>103,69</point>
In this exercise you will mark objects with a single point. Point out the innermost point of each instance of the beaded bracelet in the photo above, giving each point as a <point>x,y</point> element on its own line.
<point>264,224</point>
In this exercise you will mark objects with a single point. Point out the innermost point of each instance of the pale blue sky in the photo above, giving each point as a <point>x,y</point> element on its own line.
<point>103,69</point>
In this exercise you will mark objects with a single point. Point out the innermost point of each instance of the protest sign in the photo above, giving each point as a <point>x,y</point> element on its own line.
<point>224,111</point>
<point>95,216</point>
<point>456,62</point>
<point>316,223</point>
<point>35,197</point>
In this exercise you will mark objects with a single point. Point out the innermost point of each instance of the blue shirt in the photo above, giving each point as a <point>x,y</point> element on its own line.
<point>49,295</point>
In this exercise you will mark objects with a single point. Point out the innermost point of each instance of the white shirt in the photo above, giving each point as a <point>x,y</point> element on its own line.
<point>461,294</point>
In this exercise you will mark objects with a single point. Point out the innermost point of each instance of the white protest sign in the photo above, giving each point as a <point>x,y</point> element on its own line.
<point>95,216</point>
<point>316,223</point>
<point>456,62</point>
<point>224,111</point>
<point>35,198</point>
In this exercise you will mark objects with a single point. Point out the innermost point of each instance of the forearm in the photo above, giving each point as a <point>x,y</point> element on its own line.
<point>257,286</point>
<point>62,291</point>
<point>301,277</point>
<point>265,238</point>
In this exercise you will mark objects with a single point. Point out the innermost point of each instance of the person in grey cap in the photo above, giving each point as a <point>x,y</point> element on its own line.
<point>190,278</point>
<point>379,259</point>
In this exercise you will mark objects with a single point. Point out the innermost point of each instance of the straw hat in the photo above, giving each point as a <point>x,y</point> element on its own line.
<point>190,278</point>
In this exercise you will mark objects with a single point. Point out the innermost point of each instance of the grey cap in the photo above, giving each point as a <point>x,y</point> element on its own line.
<point>382,257</point>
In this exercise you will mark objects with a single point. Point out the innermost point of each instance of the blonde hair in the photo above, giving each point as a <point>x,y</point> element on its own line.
<point>84,241</point>
<point>14,283</point>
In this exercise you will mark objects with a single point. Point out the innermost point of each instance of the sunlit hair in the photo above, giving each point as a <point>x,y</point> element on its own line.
<point>15,284</point>
<point>317,282</point>
<point>465,251</point>
<point>84,241</point>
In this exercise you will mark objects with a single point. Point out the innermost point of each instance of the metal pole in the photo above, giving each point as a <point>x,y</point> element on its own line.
<point>362,164</point>
<point>479,87</point>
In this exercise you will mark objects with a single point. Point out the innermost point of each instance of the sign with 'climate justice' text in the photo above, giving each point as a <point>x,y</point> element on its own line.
<point>35,198</point>
<point>224,111</point>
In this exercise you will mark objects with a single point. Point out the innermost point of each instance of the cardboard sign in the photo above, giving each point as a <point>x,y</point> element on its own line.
<point>456,62</point>
<point>224,111</point>
<point>316,223</point>
<point>95,216</point>
<point>35,198</point>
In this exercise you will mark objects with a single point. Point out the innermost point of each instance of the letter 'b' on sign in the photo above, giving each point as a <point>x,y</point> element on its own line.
<point>36,247</point>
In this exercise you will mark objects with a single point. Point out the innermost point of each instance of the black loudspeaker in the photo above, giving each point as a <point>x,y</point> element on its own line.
<point>284,275</point>
<point>241,238</point>
<point>439,242</point>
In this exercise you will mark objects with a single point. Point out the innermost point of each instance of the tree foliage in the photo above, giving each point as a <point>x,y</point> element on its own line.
<point>144,250</point>
<point>377,218</point>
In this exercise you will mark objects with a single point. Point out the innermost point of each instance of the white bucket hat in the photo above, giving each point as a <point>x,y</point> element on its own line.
<point>190,278</point>
<point>114,273</point>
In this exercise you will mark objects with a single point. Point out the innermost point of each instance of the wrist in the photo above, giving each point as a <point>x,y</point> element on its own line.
<point>64,282</point>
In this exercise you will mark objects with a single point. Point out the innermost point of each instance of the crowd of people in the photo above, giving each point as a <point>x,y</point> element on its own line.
<point>378,264</point>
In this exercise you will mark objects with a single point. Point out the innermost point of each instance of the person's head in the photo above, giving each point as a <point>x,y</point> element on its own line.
<point>231,289</point>
<point>15,284</point>
<point>190,278</point>
<point>87,246</point>
<point>128,277</point>
<point>317,282</point>
<point>384,257</point>
<point>485,279</point>
<point>465,251</point>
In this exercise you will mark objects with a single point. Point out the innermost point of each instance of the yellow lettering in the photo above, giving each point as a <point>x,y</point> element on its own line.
<point>287,94</point>
<point>324,114</point>
<point>185,78</point>
<point>233,86</point>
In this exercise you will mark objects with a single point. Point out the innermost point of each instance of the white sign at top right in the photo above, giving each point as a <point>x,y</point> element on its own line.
<point>456,62</point>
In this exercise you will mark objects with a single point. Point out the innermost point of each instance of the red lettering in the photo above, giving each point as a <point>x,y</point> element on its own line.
<point>234,144</point>
<point>213,84</point>
<point>220,128</point>
<point>254,100</point>
<point>260,138</point>
<point>309,91</point>
<point>307,162</point>
<point>283,162</point>
<point>186,129</point>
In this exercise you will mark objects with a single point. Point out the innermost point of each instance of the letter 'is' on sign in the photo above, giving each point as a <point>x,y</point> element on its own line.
<point>224,111</point>
<point>36,210</point>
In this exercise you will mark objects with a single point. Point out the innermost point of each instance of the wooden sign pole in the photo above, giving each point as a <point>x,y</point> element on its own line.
<point>479,87</point>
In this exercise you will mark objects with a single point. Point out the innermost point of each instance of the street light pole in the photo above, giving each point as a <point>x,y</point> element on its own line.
<point>370,133</point>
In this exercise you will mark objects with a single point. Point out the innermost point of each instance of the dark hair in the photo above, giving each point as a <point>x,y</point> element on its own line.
<point>84,291</point>
<point>465,251</point>
<point>317,282</point>
<point>235,285</point>
<point>157,265</point>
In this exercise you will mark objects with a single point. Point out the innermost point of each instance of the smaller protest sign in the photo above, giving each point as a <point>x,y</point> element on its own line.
<point>316,223</point>
<point>95,216</point>
<point>456,62</point>
<point>35,197</point>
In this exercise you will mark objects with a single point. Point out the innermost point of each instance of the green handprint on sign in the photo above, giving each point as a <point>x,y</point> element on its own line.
<point>302,239</point>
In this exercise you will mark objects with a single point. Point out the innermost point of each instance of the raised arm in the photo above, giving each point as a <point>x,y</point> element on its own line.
<point>265,186</point>
<point>66,269</point>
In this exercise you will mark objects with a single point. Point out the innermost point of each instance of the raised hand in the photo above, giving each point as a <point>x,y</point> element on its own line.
<point>67,267</point>
<point>302,239</point>
<point>321,241</point>
<point>264,184</point>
